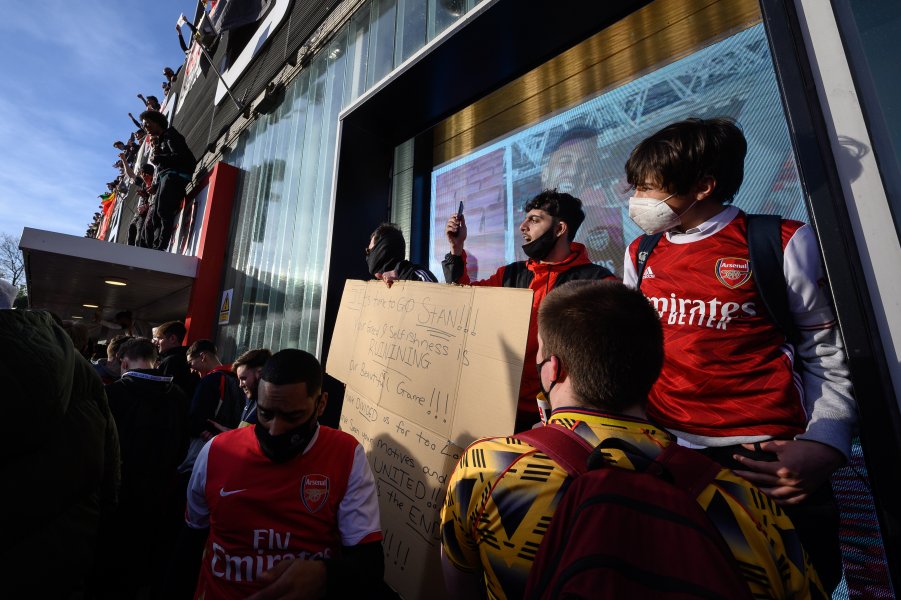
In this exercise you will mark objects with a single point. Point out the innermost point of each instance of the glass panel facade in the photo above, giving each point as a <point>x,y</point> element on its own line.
<point>280,223</point>
<point>411,28</point>
<point>583,150</point>
<point>382,39</point>
<point>869,29</point>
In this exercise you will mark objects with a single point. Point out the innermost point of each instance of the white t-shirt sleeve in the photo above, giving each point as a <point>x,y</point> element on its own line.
<point>630,274</point>
<point>197,512</point>
<point>358,512</point>
<point>828,399</point>
<point>803,270</point>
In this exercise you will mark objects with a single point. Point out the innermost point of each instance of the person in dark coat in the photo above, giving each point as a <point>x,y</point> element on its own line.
<point>174,163</point>
<point>385,257</point>
<point>60,468</point>
<point>151,416</point>
<point>173,361</point>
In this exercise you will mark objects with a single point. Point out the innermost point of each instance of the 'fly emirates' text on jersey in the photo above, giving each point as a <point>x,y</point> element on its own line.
<point>260,513</point>
<point>728,370</point>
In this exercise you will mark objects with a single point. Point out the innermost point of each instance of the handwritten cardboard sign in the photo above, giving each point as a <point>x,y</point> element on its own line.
<point>429,368</point>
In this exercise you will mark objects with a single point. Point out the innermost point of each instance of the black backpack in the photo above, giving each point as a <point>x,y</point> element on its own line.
<point>765,250</point>
<point>619,533</point>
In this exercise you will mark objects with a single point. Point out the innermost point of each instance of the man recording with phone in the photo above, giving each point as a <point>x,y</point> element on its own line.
<point>548,229</point>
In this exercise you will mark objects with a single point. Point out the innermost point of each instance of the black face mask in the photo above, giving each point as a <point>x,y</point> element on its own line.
<point>388,250</point>
<point>540,247</point>
<point>285,446</point>
<point>546,392</point>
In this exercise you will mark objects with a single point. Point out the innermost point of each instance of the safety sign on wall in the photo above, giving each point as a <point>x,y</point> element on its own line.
<point>225,307</point>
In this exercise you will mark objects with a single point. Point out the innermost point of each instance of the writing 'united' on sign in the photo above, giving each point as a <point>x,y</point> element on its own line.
<point>429,368</point>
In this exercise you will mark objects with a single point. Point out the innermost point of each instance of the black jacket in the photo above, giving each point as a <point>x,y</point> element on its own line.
<point>174,364</point>
<point>171,153</point>
<point>387,254</point>
<point>218,398</point>
<point>151,415</point>
<point>407,271</point>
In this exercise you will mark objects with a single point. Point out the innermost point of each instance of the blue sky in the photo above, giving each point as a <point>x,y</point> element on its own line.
<point>71,71</point>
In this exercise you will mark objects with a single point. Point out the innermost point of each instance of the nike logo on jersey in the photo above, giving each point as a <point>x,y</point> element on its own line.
<point>223,493</point>
<point>648,274</point>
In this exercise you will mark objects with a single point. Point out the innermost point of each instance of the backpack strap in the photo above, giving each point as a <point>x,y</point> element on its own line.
<point>766,257</point>
<point>646,245</point>
<point>563,446</point>
<point>690,470</point>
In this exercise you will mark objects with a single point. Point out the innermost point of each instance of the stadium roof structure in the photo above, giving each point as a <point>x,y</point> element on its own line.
<point>65,273</point>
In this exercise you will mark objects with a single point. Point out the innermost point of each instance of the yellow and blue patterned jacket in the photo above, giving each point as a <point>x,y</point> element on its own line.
<point>503,493</point>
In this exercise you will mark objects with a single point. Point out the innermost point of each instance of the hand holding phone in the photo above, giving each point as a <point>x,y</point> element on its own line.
<point>456,230</point>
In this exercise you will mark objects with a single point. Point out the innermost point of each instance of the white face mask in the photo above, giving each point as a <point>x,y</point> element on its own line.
<point>654,216</point>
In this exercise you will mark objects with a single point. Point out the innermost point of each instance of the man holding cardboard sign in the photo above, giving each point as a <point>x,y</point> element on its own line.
<point>550,225</point>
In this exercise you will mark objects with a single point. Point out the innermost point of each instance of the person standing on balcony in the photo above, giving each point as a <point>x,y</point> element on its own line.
<point>174,164</point>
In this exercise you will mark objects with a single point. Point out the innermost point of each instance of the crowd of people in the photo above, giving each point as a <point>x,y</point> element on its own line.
<point>675,432</point>
<point>157,165</point>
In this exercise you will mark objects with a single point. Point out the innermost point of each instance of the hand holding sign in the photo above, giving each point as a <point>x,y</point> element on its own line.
<point>428,369</point>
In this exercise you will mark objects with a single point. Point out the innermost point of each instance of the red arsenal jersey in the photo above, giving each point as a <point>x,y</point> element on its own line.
<point>260,512</point>
<point>728,370</point>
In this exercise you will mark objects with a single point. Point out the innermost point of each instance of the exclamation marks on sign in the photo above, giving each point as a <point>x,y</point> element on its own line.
<point>435,499</point>
<point>396,550</point>
<point>438,404</point>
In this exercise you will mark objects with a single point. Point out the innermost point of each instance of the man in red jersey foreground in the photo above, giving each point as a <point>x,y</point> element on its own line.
<point>290,505</point>
<point>778,411</point>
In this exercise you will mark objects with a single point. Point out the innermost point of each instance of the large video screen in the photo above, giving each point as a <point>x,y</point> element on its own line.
<point>583,151</point>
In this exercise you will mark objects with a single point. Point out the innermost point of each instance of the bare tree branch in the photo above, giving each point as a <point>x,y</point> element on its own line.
<point>12,265</point>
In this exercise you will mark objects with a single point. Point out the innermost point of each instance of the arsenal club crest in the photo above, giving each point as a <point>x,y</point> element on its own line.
<point>314,491</point>
<point>733,272</point>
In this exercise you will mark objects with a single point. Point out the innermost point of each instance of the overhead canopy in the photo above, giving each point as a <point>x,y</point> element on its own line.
<point>65,272</point>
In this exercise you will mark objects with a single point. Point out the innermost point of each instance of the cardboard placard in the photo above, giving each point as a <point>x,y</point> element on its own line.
<point>429,368</point>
